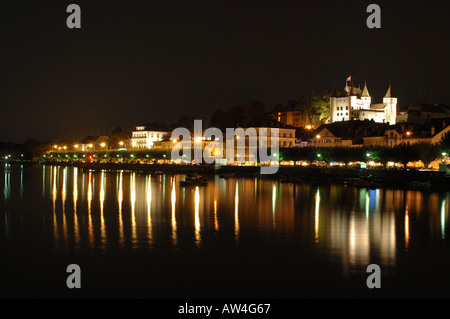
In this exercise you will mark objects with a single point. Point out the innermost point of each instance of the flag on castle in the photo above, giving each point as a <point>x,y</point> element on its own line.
<point>349,78</point>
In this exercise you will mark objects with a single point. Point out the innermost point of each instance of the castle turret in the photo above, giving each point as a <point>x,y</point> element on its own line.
<point>365,97</point>
<point>391,106</point>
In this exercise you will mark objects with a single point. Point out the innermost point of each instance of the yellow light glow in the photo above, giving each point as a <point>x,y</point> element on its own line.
<point>65,147</point>
<point>174,141</point>
<point>406,229</point>
<point>197,215</point>
<point>174,221</point>
<point>134,143</point>
<point>198,139</point>
<point>76,146</point>
<point>90,145</point>
<point>55,146</point>
<point>103,144</point>
<point>308,127</point>
<point>318,136</point>
<point>408,133</point>
<point>121,143</point>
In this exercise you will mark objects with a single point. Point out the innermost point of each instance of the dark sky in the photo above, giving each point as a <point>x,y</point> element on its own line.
<point>143,61</point>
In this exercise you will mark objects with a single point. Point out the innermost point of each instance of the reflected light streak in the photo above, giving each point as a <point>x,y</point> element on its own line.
<point>54,194</point>
<point>236,212</point>
<point>352,245</point>
<point>63,198</point>
<point>89,199</point>
<point>102,200</point>
<point>6,189</point>
<point>316,216</point>
<point>406,228</point>
<point>367,206</point>
<point>75,199</point>
<point>133,212</point>
<point>149,205</point>
<point>216,224</point>
<point>274,199</point>
<point>174,222</point>
<point>197,216</point>
<point>120,203</point>
<point>443,218</point>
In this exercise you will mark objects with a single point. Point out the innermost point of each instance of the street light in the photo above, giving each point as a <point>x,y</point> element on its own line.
<point>76,146</point>
<point>121,143</point>
<point>103,144</point>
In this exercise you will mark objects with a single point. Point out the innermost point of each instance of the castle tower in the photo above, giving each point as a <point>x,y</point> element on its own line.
<point>365,97</point>
<point>391,106</point>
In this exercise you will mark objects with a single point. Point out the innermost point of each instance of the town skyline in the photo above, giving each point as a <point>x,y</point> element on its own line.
<point>159,61</point>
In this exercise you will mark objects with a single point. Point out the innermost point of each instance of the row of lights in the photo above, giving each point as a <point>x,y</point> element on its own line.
<point>64,147</point>
<point>9,156</point>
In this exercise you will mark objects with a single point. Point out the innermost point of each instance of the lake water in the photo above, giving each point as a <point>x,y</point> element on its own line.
<point>144,236</point>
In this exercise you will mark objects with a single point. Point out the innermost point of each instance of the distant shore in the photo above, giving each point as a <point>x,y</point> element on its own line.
<point>369,178</point>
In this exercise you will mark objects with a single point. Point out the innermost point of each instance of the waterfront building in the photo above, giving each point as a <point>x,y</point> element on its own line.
<point>326,138</point>
<point>144,136</point>
<point>370,133</point>
<point>285,137</point>
<point>396,136</point>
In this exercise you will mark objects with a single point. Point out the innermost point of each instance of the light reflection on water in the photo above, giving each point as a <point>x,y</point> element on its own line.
<point>123,210</point>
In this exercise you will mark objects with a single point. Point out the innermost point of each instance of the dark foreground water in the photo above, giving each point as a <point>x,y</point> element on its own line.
<point>144,236</point>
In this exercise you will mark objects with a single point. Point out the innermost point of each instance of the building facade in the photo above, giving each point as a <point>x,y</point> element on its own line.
<point>355,104</point>
<point>143,137</point>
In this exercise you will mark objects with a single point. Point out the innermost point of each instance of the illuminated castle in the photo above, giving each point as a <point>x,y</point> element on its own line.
<point>355,104</point>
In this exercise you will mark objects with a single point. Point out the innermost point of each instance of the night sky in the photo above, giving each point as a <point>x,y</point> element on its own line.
<point>134,62</point>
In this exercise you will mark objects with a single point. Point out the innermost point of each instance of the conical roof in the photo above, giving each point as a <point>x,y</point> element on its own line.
<point>389,91</point>
<point>365,92</point>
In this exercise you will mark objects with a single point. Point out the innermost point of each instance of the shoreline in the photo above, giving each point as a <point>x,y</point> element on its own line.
<point>358,177</point>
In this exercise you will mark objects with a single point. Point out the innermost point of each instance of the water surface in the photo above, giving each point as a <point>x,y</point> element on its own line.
<point>144,236</point>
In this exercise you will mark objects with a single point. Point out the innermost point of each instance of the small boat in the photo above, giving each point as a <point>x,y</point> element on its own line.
<point>194,180</point>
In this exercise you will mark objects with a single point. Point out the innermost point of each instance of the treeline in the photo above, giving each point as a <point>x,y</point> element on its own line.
<point>403,153</point>
<point>24,151</point>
